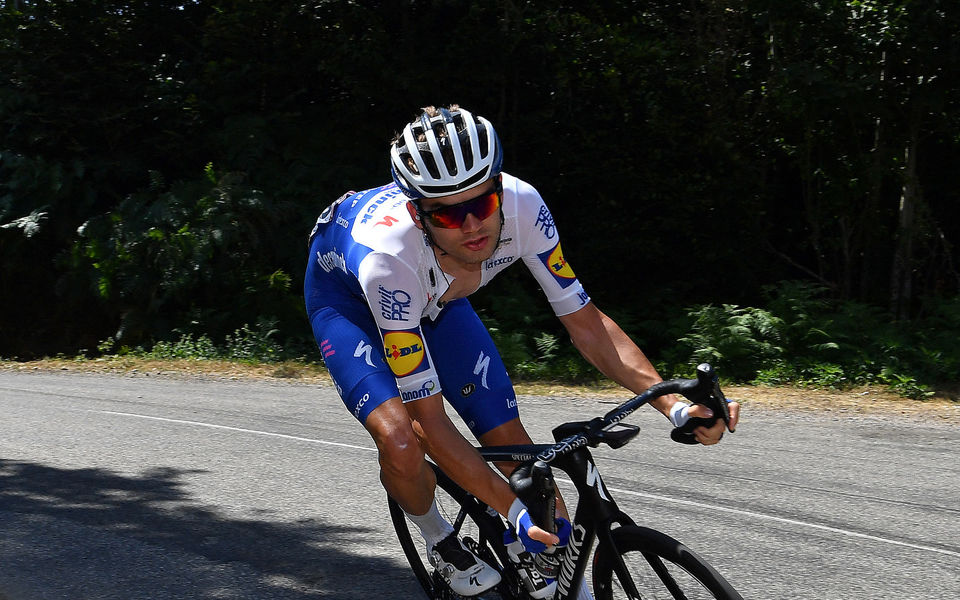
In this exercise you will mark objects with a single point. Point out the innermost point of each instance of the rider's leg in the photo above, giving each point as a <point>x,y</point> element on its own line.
<point>349,340</point>
<point>403,471</point>
<point>411,482</point>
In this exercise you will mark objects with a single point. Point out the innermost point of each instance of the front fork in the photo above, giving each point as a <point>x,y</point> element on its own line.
<point>597,514</point>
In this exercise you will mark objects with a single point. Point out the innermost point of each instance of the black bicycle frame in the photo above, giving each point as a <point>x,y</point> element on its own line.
<point>596,509</point>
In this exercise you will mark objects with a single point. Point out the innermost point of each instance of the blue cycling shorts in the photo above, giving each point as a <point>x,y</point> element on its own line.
<point>472,375</point>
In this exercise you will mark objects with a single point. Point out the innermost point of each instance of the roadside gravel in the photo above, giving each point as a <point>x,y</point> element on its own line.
<point>865,402</point>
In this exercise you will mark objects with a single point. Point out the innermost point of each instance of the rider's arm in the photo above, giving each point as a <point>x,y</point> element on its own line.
<point>444,443</point>
<point>605,345</point>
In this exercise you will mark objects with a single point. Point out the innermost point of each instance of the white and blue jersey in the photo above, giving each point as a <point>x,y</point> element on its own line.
<point>373,288</point>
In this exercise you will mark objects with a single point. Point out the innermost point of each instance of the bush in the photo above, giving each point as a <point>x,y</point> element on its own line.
<point>805,338</point>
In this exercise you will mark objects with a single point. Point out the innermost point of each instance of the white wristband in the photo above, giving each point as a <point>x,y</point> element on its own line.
<point>679,414</point>
<point>516,511</point>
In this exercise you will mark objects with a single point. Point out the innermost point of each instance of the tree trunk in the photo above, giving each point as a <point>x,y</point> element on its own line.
<point>901,278</point>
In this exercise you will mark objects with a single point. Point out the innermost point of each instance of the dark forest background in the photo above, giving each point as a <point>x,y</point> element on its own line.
<point>771,185</point>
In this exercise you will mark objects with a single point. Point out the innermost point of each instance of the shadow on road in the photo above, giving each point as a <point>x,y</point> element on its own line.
<point>151,524</point>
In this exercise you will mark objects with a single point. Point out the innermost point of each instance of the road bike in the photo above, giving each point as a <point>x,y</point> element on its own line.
<point>630,561</point>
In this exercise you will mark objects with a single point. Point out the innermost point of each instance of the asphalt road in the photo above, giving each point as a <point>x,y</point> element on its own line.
<point>146,487</point>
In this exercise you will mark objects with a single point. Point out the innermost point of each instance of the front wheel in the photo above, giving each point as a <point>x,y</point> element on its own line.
<point>650,565</point>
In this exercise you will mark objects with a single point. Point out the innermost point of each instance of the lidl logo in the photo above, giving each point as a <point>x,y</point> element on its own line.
<point>558,266</point>
<point>404,352</point>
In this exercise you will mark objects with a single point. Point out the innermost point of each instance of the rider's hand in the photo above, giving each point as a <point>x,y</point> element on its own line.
<point>534,538</point>
<point>711,435</point>
<point>681,412</point>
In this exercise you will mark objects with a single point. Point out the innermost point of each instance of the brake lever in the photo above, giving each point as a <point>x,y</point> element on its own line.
<point>705,390</point>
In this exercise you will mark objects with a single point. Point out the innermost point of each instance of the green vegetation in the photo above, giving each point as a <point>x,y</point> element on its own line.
<point>161,164</point>
<point>244,345</point>
<point>801,337</point>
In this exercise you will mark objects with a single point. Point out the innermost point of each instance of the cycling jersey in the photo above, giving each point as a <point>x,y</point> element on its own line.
<point>365,251</point>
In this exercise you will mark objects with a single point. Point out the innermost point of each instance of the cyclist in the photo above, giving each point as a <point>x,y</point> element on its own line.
<point>385,289</point>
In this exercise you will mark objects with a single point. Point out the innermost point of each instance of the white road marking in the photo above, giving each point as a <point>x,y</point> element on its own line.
<point>744,513</point>
<point>240,429</point>
<point>756,515</point>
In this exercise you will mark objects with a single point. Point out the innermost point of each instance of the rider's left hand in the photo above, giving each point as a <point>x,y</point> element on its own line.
<point>711,435</point>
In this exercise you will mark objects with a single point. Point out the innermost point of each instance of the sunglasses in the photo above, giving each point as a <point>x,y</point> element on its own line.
<point>453,216</point>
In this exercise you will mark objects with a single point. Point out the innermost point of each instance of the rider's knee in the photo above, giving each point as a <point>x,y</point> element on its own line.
<point>400,452</point>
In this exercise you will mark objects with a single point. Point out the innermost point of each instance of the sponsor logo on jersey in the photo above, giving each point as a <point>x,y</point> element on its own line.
<point>545,223</point>
<point>496,262</point>
<point>326,347</point>
<point>364,350</point>
<point>387,220</point>
<point>405,352</point>
<point>373,206</point>
<point>583,297</point>
<point>359,407</point>
<point>468,389</point>
<point>394,304</point>
<point>481,368</point>
<point>558,266</point>
<point>425,390</point>
<point>331,260</point>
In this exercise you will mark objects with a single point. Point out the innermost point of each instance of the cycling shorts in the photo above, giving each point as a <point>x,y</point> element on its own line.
<point>472,375</point>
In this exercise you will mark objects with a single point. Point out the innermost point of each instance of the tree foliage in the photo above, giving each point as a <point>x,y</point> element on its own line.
<point>162,162</point>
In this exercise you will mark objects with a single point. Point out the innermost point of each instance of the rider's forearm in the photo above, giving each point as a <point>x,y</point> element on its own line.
<point>444,443</point>
<point>607,347</point>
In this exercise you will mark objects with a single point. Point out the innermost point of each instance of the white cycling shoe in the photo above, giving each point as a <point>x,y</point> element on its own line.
<point>466,574</point>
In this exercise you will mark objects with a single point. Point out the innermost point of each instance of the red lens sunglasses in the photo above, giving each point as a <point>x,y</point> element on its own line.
<point>453,216</point>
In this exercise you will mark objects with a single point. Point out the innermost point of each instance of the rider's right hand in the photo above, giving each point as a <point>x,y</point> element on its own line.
<point>681,412</point>
<point>534,538</point>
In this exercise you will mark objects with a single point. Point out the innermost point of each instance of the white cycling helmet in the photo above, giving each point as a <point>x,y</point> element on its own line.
<point>445,154</point>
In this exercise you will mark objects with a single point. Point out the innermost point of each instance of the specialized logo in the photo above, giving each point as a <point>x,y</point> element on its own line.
<point>405,352</point>
<point>388,221</point>
<point>394,304</point>
<point>365,350</point>
<point>558,266</point>
<point>483,364</point>
<point>545,223</point>
<point>593,480</point>
<point>425,390</point>
<point>468,389</point>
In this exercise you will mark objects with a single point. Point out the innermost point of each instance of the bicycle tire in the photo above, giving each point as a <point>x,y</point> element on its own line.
<point>660,568</point>
<point>479,530</point>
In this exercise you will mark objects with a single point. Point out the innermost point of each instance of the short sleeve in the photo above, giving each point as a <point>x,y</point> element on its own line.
<point>543,254</point>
